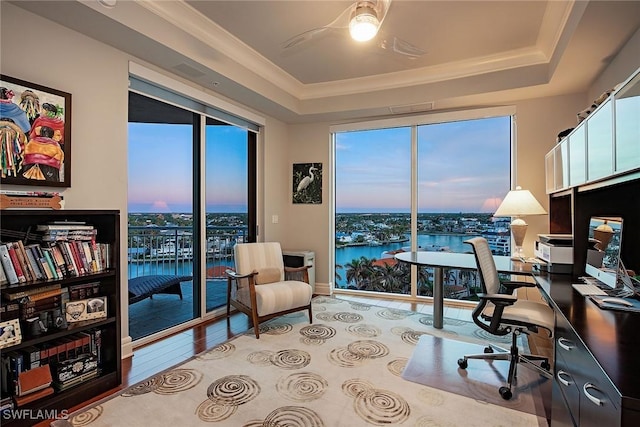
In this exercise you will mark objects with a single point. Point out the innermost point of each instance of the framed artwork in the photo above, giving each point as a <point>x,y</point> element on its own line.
<point>10,333</point>
<point>35,130</point>
<point>307,183</point>
<point>86,309</point>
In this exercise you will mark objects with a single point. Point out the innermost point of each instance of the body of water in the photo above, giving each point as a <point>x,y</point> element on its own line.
<point>455,243</point>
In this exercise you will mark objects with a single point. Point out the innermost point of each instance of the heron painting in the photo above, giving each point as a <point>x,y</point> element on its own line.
<point>307,183</point>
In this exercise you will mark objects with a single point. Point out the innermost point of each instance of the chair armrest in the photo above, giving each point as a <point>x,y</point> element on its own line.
<point>297,273</point>
<point>513,285</point>
<point>499,299</point>
<point>235,276</point>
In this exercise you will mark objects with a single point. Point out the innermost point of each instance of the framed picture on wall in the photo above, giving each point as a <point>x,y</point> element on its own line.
<point>307,183</point>
<point>35,130</point>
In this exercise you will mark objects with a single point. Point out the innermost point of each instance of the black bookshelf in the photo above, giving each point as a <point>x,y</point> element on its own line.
<point>22,225</point>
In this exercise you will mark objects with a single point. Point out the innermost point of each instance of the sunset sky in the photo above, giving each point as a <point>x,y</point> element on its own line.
<point>463,167</point>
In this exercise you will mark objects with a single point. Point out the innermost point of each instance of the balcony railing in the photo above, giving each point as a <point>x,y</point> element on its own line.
<point>170,249</point>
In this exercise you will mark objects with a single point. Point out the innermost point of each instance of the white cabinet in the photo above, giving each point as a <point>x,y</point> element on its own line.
<point>604,145</point>
<point>600,142</point>
<point>627,125</point>
<point>578,156</point>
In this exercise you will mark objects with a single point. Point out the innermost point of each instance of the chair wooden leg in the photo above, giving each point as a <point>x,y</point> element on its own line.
<point>256,323</point>
<point>310,315</point>
<point>228,297</point>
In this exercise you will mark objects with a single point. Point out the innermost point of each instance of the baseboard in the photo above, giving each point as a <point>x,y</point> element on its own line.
<point>323,289</point>
<point>127,347</point>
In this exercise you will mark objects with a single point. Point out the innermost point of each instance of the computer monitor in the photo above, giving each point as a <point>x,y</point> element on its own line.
<point>603,250</point>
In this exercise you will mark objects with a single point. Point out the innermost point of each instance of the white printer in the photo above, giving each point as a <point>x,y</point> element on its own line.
<point>557,251</point>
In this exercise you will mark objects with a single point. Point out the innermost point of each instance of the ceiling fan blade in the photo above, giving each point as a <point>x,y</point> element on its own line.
<point>303,37</point>
<point>381,8</point>
<point>401,47</point>
<point>342,21</point>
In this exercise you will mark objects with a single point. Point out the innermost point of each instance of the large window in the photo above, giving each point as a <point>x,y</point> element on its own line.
<point>191,198</point>
<point>420,186</point>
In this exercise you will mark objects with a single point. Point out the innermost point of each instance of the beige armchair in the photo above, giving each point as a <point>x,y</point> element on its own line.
<point>503,314</point>
<point>262,287</point>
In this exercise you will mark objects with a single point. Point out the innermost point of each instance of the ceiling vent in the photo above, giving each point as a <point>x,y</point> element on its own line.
<point>188,70</point>
<point>413,108</point>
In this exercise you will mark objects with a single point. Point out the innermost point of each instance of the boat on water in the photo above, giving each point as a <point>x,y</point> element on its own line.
<point>428,248</point>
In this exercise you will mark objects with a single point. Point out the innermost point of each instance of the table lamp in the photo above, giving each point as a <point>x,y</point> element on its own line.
<point>518,203</point>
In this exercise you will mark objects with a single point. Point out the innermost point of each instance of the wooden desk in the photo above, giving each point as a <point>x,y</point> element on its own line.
<point>440,260</point>
<point>597,355</point>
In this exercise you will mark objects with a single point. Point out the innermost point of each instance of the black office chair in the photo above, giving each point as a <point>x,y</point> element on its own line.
<point>503,313</point>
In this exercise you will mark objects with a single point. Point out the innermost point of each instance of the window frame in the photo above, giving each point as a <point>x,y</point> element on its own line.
<point>414,122</point>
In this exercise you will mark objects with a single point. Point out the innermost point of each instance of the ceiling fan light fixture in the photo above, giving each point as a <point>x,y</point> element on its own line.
<point>364,25</point>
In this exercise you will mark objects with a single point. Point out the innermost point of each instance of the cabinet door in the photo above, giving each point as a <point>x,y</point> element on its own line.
<point>578,156</point>
<point>627,113</point>
<point>549,172</point>
<point>565,152</point>
<point>600,142</point>
<point>561,158</point>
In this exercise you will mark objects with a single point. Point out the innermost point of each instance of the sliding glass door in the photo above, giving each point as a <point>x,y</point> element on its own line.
<point>191,198</point>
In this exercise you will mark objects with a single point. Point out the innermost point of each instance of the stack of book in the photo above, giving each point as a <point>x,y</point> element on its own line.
<point>68,250</point>
<point>60,364</point>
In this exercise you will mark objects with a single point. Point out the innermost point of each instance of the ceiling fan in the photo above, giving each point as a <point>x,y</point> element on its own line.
<point>363,20</point>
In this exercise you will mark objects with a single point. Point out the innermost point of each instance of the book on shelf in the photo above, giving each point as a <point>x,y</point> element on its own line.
<point>23,400</point>
<point>58,259</point>
<point>7,265</point>
<point>3,276</point>
<point>35,265</point>
<point>24,261</point>
<point>72,269</point>
<point>16,263</point>
<point>64,385</point>
<point>84,291</point>
<point>49,260</point>
<point>44,295</point>
<point>9,310</point>
<point>12,295</point>
<point>33,380</point>
<point>65,225</point>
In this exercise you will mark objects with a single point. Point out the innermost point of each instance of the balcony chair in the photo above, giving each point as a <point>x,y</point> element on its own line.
<point>262,287</point>
<point>503,313</point>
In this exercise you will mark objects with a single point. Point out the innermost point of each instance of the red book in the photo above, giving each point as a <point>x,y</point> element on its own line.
<point>76,258</point>
<point>16,263</point>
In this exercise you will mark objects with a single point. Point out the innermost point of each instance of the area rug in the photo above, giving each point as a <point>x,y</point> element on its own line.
<point>343,370</point>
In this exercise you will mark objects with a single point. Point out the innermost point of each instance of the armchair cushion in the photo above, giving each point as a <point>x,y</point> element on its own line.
<point>268,275</point>
<point>281,296</point>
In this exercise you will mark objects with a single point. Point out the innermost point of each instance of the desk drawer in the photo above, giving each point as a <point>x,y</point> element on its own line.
<point>598,401</point>
<point>568,386</point>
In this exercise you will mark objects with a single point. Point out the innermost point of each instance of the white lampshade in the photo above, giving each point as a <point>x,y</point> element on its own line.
<point>519,203</point>
<point>364,24</point>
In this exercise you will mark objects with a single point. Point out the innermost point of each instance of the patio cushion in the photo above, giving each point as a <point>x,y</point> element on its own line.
<point>145,286</point>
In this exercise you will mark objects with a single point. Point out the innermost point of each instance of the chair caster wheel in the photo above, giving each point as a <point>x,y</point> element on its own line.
<point>546,366</point>
<point>488,350</point>
<point>462,363</point>
<point>505,393</point>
